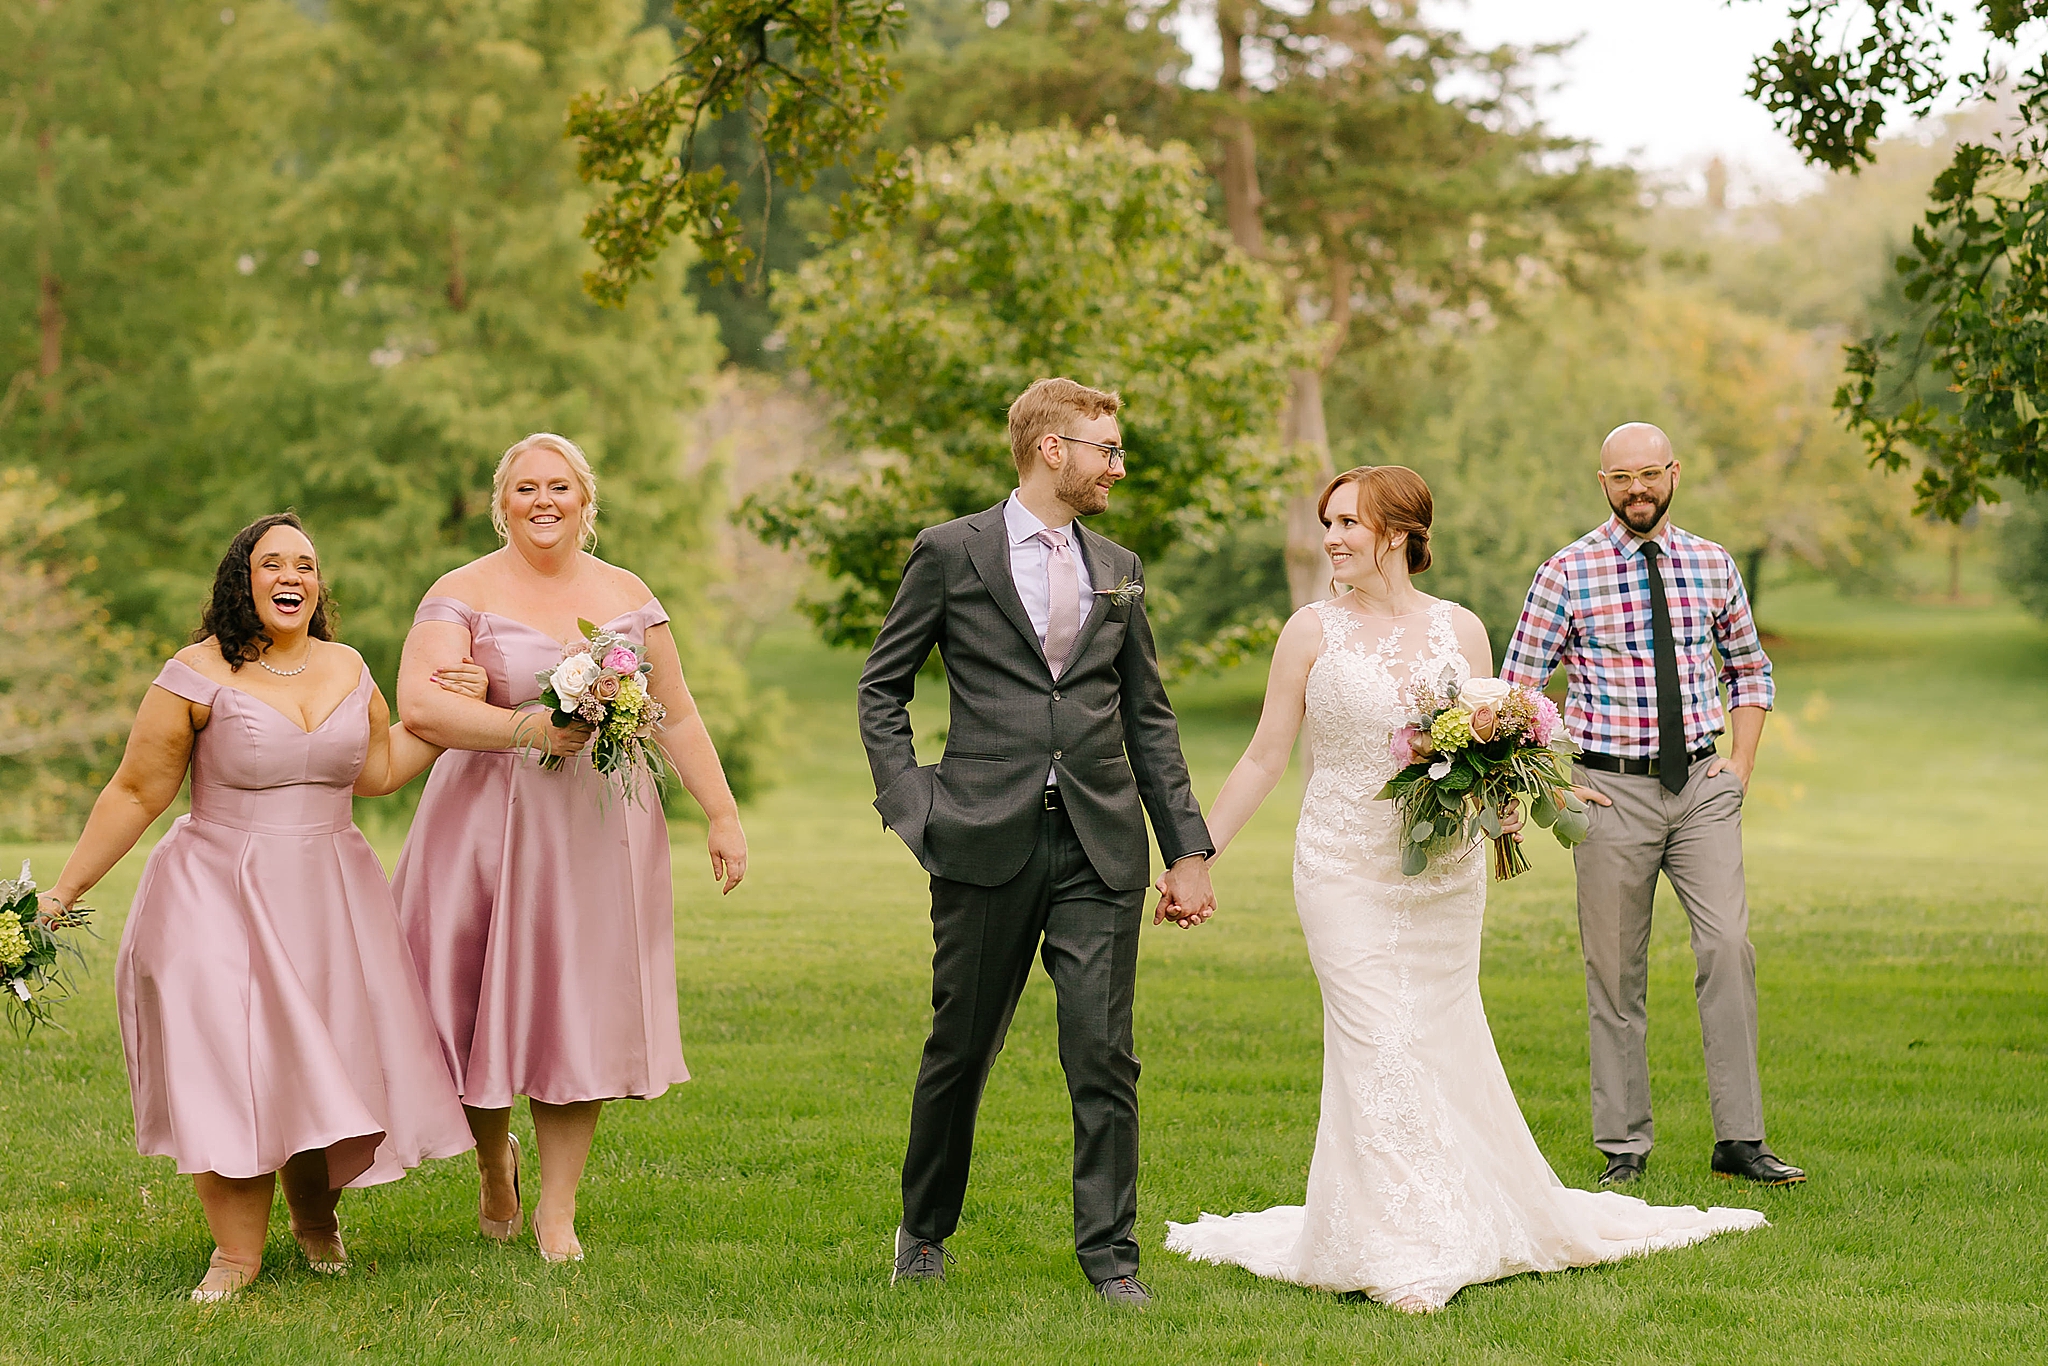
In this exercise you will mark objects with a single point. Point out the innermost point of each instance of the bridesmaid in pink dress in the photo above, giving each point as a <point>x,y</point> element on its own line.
<point>269,1010</point>
<point>538,905</point>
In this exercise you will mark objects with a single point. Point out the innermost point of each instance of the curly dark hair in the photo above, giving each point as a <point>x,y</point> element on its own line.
<point>230,615</point>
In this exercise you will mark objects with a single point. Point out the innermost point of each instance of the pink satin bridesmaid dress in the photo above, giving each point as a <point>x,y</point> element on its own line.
<point>538,905</point>
<point>268,1004</point>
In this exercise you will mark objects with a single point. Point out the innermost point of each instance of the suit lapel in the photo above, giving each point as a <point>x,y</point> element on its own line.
<point>1095,558</point>
<point>989,551</point>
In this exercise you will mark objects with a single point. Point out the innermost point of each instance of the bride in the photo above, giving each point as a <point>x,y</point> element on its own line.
<point>1425,1178</point>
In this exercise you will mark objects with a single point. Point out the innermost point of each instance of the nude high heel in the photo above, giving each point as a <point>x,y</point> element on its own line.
<point>224,1280</point>
<point>504,1230</point>
<point>323,1249</point>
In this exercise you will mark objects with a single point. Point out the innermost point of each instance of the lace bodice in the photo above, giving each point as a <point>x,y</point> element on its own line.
<point>1354,688</point>
<point>1353,706</point>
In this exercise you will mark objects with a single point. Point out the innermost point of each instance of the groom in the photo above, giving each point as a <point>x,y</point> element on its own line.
<point>1031,824</point>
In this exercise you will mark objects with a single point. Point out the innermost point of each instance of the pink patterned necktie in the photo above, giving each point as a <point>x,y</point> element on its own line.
<point>1063,619</point>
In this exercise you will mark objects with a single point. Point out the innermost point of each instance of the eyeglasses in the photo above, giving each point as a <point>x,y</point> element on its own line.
<point>1117,455</point>
<point>1651,475</point>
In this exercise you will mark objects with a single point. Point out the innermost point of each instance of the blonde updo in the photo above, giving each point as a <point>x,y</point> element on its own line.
<point>579,469</point>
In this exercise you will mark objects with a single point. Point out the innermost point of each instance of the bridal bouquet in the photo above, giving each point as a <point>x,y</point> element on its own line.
<point>30,950</point>
<point>603,682</point>
<point>1466,751</point>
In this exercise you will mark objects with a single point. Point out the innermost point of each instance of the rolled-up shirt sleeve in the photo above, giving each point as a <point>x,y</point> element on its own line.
<point>1540,636</point>
<point>1745,668</point>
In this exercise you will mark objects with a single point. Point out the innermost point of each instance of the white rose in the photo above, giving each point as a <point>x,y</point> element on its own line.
<point>573,675</point>
<point>1484,692</point>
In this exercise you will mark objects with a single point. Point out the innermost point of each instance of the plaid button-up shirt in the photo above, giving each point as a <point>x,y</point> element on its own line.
<point>1589,609</point>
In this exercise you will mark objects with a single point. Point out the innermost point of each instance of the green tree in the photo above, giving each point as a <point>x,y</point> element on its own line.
<point>2025,540</point>
<point>1000,260</point>
<point>138,146</point>
<point>1978,263</point>
<point>69,677</point>
<point>812,78</point>
<point>1391,173</point>
<point>1510,438</point>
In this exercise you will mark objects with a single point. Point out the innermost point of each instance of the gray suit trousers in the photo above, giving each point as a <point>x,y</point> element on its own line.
<point>1059,909</point>
<point>1695,839</point>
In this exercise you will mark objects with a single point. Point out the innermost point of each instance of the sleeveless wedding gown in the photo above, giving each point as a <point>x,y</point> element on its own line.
<point>1425,1178</point>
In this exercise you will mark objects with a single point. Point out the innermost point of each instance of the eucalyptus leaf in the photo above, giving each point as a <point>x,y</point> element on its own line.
<point>1543,810</point>
<point>1414,859</point>
<point>1570,800</point>
<point>1423,832</point>
<point>1489,821</point>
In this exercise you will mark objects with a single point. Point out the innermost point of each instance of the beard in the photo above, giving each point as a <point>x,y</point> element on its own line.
<point>1080,492</point>
<point>1635,519</point>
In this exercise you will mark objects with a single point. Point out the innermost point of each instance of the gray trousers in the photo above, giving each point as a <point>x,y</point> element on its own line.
<point>1059,910</point>
<point>1695,839</point>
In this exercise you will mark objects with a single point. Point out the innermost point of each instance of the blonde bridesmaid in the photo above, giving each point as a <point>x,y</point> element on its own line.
<point>537,904</point>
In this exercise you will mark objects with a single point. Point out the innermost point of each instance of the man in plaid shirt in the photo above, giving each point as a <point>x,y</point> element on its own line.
<point>1636,611</point>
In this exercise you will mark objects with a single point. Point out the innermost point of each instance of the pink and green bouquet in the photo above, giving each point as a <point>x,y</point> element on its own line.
<point>32,976</point>
<point>1467,751</point>
<point>603,682</point>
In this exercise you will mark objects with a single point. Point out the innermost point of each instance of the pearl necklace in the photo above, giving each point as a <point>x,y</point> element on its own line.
<point>287,673</point>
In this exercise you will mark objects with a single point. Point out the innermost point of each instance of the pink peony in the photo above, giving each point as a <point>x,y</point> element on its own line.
<point>1402,745</point>
<point>1543,725</point>
<point>621,660</point>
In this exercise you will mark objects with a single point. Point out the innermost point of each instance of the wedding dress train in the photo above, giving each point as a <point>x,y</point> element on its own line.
<point>1425,1177</point>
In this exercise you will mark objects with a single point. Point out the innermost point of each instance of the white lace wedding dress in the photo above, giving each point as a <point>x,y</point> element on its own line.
<point>1425,1178</point>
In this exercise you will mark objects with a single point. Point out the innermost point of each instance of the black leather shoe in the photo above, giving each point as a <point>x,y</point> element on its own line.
<point>919,1259</point>
<point>1128,1291</point>
<point>1622,1168</point>
<point>1752,1161</point>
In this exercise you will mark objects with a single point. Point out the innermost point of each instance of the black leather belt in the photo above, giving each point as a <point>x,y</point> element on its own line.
<point>1053,800</point>
<point>1640,768</point>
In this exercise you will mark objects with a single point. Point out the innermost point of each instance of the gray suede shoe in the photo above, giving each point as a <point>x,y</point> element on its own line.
<point>1127,1291</point>
<point>919,1259</point>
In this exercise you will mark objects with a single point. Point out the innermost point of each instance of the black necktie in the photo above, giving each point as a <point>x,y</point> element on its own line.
<point>1672,760</point>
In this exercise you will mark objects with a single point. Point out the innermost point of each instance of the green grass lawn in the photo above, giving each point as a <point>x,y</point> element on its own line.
<point>1897,868</point>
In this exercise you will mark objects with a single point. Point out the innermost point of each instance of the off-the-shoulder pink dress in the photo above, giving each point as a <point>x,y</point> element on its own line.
<point>538,906</point>
<point>268,1005</point>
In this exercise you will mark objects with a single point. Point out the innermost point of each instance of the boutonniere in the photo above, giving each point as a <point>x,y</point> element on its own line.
<point>1126,592</point>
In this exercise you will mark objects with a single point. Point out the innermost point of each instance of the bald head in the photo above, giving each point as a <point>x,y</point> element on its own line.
<point>1639,473</point>
<point>1633,445</point>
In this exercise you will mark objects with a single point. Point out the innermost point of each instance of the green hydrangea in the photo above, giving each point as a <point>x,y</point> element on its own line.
<point>1452,730</point>
<point>625,717</point>
<point>13,943</point>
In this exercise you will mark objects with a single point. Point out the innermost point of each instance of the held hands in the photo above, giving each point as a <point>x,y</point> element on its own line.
<point>1185,896</point>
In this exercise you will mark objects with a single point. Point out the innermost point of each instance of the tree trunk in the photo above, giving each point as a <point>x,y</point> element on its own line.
<point>49,289</point>
<point>1241,197</point>
<point>1308,569</point>
<point>458,280</point>
<point>1753,577</point>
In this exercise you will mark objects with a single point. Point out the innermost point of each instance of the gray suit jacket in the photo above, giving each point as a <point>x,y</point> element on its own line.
<point>1105,725</point>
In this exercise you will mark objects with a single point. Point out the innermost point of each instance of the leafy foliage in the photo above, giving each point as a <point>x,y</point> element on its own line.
<point>811,76</point>
<point>1509,436</point>
<point>2026,553</point>
<point>996,262</point>
<point>339,273</point>
<point>69,677</point>
<point>1979,263</point>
